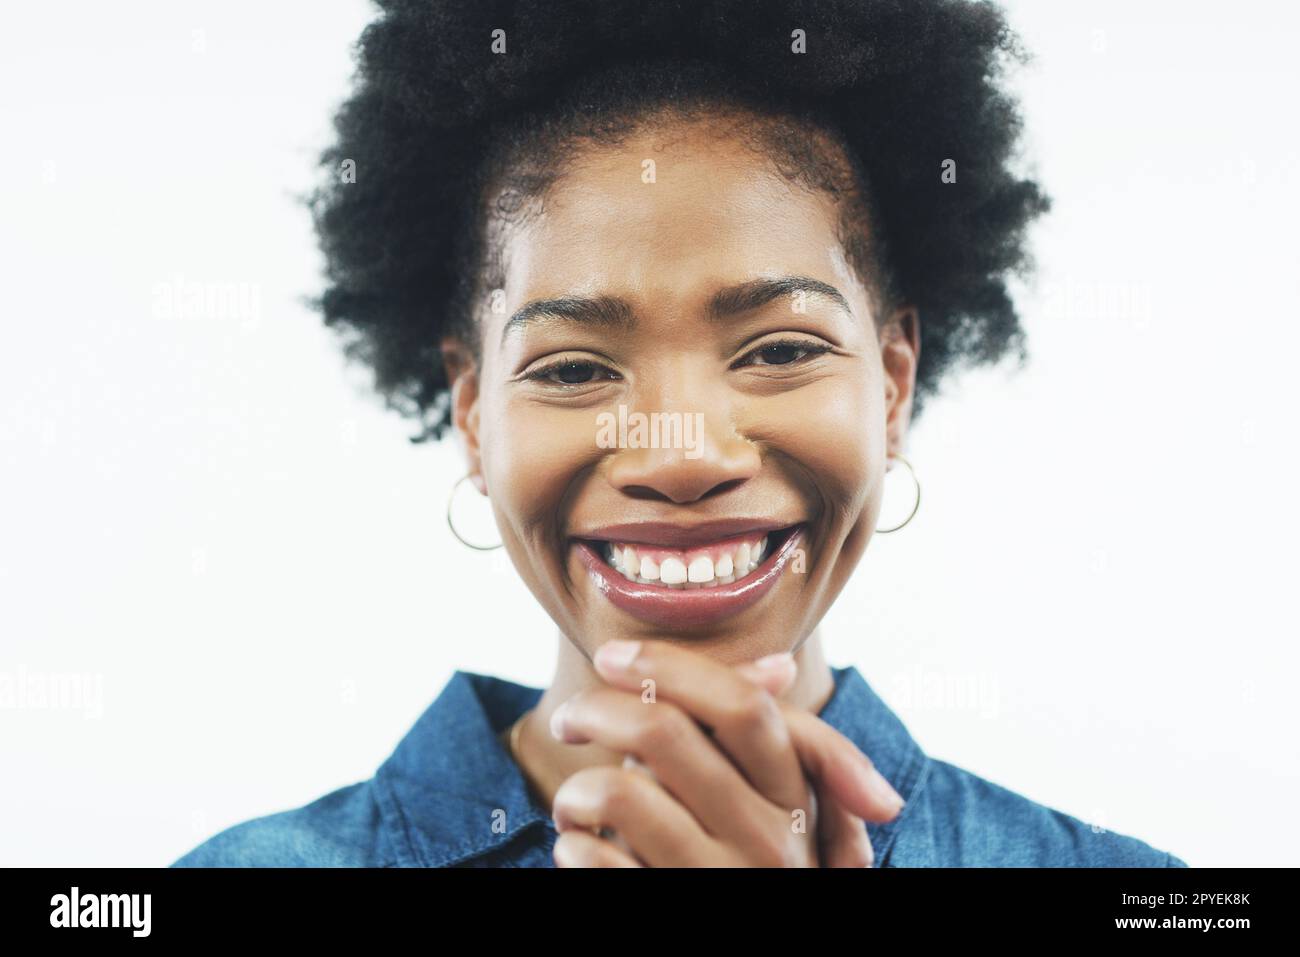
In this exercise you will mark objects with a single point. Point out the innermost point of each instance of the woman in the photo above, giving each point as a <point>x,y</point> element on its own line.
<point>680,277</point>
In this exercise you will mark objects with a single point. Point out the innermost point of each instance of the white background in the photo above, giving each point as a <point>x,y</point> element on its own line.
<point>212,518</point>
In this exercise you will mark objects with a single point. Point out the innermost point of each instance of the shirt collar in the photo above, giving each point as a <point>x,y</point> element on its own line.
<point>451,792</point>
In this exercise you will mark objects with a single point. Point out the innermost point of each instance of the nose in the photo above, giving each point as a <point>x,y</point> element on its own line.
<point>681,457</point>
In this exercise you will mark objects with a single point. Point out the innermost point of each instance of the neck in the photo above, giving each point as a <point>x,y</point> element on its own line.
<point>547,763</point>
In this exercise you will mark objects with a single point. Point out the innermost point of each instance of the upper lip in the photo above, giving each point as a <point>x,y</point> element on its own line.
<point>682,536</point>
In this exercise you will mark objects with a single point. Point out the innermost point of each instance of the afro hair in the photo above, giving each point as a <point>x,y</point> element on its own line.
<point>450,96</point>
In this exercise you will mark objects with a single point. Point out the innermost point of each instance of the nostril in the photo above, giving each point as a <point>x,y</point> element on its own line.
<point>645,493</point>
<point>723,487</point>
<point>668,476</point>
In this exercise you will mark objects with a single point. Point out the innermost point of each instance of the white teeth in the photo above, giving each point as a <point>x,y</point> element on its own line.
<point>628,564</point>
<point>672,572</point>
<point>742,559</point>
<point>701,570</point>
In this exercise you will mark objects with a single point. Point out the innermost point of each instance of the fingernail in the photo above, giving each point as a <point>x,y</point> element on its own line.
<point>617,653</point>
<point>773,662</point>
<point>557,722</point>
<point>884,790</point>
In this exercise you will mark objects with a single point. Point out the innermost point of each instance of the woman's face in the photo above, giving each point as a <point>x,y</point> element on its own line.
<point>681,367</point>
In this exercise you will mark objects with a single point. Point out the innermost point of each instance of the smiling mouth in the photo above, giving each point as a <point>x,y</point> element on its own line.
<point>721,563</point>
<point>695,586</point>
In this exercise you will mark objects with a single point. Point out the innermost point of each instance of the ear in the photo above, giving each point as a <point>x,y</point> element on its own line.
<point>900,352</point>
<point>463,380</point>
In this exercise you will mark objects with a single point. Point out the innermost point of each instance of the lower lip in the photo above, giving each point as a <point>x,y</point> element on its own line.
<point>687,607</point>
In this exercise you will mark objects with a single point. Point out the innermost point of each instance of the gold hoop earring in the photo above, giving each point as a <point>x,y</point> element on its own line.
<point>451,500</point>
<point>916,504</point>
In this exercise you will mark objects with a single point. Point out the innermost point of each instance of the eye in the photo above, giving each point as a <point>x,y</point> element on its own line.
<point>571,372</point>
<point>783,352</point>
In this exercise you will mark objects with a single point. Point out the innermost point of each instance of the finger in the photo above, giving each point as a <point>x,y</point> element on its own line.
<point>775,673</point>
<point>744,718</point>
<point>776,679</point>
<point>677,753</point>
<point>657,829</point>
<point>849,776</point>
<point>630,763</point>
<point>842,837</point>
<point>581,849</point>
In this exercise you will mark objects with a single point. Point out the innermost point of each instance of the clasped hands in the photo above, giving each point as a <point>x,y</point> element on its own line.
<point>736,776</point>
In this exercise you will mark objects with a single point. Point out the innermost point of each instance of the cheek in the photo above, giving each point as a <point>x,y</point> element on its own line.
<point>833,432</point>
<point>533,458</point>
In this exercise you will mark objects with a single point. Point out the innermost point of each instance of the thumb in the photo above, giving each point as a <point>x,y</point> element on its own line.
<point>774,672</point>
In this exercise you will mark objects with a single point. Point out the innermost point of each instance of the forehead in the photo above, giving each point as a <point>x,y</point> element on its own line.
<point>668,216</point>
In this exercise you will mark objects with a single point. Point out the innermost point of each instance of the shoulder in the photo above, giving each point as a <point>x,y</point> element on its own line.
<point>338,829</point>
<point>963,820</point>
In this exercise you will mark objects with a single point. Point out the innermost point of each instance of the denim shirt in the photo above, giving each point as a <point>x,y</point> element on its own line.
<point>450,795</point>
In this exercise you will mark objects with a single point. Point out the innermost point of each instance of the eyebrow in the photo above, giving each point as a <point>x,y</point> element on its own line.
<point>610,312</point>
